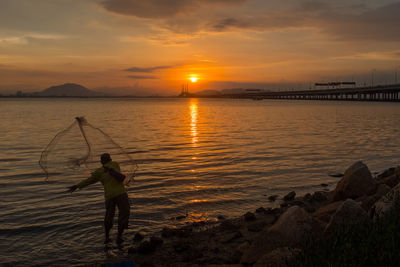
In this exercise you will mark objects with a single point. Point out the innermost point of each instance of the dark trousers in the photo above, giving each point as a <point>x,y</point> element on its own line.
<point>122,201</point>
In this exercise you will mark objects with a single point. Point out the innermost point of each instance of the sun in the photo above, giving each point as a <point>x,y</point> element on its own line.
<point>193,79</point>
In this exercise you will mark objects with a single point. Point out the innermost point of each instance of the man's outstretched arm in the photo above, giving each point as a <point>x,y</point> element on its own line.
<point>91,180</point>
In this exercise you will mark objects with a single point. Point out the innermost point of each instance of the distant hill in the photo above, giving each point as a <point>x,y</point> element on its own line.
<point>233,91</point>
<point>208,92</point>
<point>69,89</point>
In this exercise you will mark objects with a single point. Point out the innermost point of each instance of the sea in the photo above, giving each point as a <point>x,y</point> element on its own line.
<point>198,159</point>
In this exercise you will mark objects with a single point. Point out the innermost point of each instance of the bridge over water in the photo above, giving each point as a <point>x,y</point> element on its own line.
<point>373,93</point>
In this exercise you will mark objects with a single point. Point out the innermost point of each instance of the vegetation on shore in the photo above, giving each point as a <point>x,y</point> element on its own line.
<point>366,243</point>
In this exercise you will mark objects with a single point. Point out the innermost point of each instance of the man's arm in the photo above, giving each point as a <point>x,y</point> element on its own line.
<point>91,180</point>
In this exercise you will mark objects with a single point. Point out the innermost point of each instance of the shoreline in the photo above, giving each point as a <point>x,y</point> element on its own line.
<point>266,236</point>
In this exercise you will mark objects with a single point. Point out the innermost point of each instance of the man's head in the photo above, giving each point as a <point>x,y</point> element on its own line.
<point>105,158</point>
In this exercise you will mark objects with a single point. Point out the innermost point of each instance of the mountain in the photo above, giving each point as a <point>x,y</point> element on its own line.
<point>208,92</point>
<point>69,89</point>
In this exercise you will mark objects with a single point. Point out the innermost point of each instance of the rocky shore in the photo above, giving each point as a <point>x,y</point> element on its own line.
<point>272,236</point>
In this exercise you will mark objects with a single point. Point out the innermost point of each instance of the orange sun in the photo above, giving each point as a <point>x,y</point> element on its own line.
<point>193,79</point>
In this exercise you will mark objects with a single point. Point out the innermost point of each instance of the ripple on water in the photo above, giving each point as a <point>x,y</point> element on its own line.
<point>224,159</point>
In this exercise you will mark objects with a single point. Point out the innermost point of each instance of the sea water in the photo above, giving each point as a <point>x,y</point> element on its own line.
<point>198,159</point>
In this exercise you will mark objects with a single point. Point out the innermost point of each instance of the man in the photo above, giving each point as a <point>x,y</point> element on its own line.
<point>114,193</point>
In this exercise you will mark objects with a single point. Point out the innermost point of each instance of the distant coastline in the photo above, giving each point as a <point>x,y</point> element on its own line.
<point>383,93</point>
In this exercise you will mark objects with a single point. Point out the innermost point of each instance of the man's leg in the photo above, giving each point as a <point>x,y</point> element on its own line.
<point>109,218</point>
<point>123,215</point>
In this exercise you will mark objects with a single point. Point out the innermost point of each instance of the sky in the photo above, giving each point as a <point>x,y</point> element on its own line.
<point>155,46</point>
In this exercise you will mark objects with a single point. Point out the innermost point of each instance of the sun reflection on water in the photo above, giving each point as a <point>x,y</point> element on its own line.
<point>193,121</point>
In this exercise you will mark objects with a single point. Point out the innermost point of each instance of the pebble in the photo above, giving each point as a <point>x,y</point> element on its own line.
<point>289,196</point>
<point>261,209</point>
<point>138,237</point>
<point>272,198</point>
<point>249,216</point>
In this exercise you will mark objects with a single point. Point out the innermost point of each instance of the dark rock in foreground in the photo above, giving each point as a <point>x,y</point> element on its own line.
<point>289,196</point>
<point>356,182</point>
<point>275,234</point>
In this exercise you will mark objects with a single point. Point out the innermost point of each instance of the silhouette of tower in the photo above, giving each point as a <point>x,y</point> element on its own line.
<point>185,90</point>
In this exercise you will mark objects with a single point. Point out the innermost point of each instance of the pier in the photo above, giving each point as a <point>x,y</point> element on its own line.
<point>372,93</point>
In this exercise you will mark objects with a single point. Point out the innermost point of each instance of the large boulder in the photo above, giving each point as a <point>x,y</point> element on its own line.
<point>386,173</point>
<point>290,229</point>
<point>350,212</point>
<point>369,201</point>
<point>277,257</point>
<point>386,203</point>
<point>356,182</point>
<point>293,224</point>
<point>391,180</point>
<point>324,213</point>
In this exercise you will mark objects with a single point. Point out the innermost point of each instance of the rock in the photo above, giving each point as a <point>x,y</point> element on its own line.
<point>369,201</point>
<point>170,232</point>
<point>156,241</point>
<point>357,181</point>
<point>336,174</point>
<point>277,257</point>
<point>221,217</point>
<point>199,224</point>
<point>191,255</point>
<point>386,173</point>
<point>386,203</point>
<point>249,216</point>
<point>289,196</point>
<point>146,247</point>
<point>293,224</point>
<point>261,209</point>
<point>228,226</point>
<point>382,190</point>
<point>277,211</point>
<point>238,252</point>
<point>288,231</point>
<point>350,212</point>
<point>138,237</point>
<point>181,246</point>
<point>269,218</point>
<point>256,226</point>
<point>180,217</point>
<point>391,180</point>
<point>184,232</point>
<point>272,198</point>
<point>132,250</point>
<point>284,205</point>
<point>307,197</point>
<point>324,213</point>
<point>324,185</point>
<point>303,204</point>
<point>231,237</point>
<point>319,196</point>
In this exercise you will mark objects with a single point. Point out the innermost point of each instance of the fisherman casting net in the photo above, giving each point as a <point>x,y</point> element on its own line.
<point>76,151</point>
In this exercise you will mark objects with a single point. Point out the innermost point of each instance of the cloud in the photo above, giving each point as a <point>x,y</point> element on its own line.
<point>268,22</point>
<point>375,24</point>
<point>342,20</point>
<point>30,37</point>
<point>378,24</point>
<point>161,8</point>
<point>147,70</point>
<point>142,77</point>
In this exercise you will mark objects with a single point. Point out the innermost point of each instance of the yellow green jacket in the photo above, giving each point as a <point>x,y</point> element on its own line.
<point>112,187</point>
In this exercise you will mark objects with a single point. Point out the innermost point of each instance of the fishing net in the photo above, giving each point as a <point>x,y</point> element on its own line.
<point>77,149</point>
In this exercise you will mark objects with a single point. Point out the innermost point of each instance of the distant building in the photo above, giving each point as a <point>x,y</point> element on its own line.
<point>335,84</point>
<point>254,90</point>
